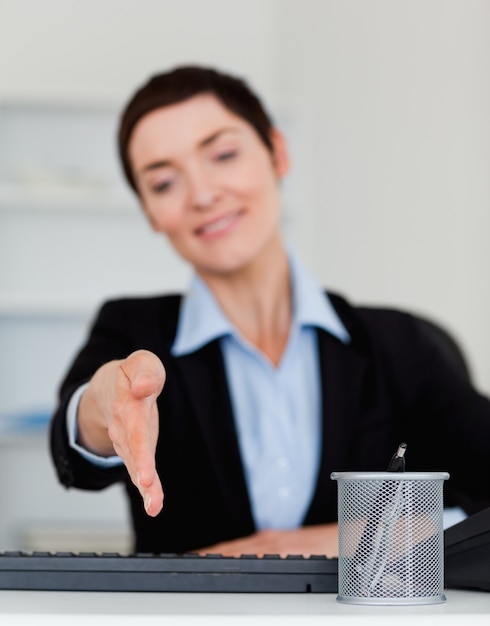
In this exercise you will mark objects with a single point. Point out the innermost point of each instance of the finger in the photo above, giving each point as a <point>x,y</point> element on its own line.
<point>145,373</point>
<point>148,482</point>
<point>153,497</point>
<point>144,476</point>
<point>142,441</point>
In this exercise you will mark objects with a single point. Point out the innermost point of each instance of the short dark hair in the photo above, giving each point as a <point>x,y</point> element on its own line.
<point>181,84</point>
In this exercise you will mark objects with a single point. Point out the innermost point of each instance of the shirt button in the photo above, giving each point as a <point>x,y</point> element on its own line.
<point>284,493</point>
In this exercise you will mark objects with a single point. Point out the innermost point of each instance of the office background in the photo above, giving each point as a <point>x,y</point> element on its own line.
<point>386,107</point>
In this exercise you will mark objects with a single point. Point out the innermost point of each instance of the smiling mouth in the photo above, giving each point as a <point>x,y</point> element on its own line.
<point>220,225</point>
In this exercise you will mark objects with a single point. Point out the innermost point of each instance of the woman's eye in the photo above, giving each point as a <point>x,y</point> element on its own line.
<point>226,156</point>
<point>162,187</point>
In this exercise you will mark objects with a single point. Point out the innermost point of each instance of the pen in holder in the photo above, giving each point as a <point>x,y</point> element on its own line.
<point>391,535</point>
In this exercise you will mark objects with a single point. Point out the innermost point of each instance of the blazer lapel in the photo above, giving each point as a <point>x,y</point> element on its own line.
<point>342,371</point>
<point>204,374</point>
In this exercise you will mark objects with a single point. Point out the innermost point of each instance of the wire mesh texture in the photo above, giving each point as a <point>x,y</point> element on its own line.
<point>391,542</point>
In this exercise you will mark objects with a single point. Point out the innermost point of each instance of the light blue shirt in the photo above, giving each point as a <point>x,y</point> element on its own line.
<point>277,410</point>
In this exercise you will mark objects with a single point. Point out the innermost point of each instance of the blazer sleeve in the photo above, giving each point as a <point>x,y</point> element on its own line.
<point>110,338</point>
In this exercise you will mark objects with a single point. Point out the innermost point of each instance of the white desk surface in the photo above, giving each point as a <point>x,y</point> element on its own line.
<point>53,608</point>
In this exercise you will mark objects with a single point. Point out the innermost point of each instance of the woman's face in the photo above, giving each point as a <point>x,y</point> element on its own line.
<point>208,182</point>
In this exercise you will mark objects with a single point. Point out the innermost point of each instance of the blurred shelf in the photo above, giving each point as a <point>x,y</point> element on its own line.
<point>39,308</point>
<point>36,198</point>
<point>60,156</point>
<point>26,305</point>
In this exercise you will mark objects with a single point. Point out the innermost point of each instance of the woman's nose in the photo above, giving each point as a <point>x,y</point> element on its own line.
<point>204,192</point>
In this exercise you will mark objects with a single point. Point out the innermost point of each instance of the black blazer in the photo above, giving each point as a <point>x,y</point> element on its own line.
<point>391,383</point>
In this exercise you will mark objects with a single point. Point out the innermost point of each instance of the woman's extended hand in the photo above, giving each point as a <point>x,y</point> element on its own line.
<point>118,414</point>
<point>308,540</point>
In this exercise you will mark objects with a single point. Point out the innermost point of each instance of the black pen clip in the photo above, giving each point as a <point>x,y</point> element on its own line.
<point>397,463</point>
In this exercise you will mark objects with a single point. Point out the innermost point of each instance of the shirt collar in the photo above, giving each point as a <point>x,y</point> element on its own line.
<point>201,319</point>
<point>311,305</point>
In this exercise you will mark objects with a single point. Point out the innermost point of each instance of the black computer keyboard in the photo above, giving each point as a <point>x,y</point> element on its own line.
<point>467,553</point>
<point>167,572</point>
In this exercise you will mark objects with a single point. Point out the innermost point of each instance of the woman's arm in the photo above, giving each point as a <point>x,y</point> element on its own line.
<point>308,540</point>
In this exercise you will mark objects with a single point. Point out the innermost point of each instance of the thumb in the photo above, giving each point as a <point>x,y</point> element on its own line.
<point>145,373</point>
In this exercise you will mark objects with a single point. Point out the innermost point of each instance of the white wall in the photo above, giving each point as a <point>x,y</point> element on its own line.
<point>102,49</point>
<point>400,95</point>
<point>385,103</point>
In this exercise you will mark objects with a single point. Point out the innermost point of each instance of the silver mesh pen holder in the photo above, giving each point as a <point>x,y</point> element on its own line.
<point>391,542</point>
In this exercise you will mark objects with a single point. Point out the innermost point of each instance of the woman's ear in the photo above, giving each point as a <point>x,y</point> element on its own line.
<point>280,153</point>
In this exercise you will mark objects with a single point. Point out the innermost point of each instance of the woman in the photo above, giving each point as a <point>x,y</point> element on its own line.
<point>238,400</point>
